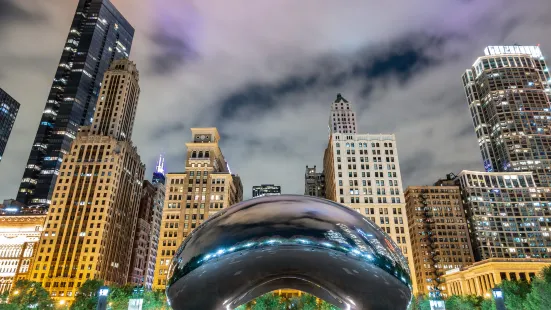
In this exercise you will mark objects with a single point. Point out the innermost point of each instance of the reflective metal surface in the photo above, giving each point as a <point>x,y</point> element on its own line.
<point>287,241</point>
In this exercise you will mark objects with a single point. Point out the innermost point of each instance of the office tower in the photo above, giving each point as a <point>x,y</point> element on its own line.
<point>19,235</point>
<point>362,171</point>
<point>155,230</point>
<point>98,35</point>
<point>206,187</point>
<point>266,190</point>
<point>314,183</point>
<point>508,214</point>
<point>439,234</point>
<point>139,262</point>
<point>8,112</point>
<point>159,174</point>
<point>89,233</point>
<point>508,94</point>
<point>342,118</point>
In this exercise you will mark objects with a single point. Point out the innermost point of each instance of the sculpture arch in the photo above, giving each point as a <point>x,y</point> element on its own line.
<point>289,241</point>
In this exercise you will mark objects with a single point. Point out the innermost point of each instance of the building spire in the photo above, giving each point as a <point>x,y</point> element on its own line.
<point>160,168</point>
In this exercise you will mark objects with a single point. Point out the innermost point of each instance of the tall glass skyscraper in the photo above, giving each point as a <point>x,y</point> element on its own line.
<point>8,112</point>
<point>508,94</point>
<point>99,34</point>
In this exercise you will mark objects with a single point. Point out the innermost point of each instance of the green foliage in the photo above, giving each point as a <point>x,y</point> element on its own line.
<point>268,301</point>
<point>119,297</point>
<point>515,293</point>
<point>539,296</point>
<point>488,304</point>
<point>86,297</point>
<point>155,300</point>
<point>463,302</point>
<point>304,302</point>
<point>420,303</point>
<point>27,294</point>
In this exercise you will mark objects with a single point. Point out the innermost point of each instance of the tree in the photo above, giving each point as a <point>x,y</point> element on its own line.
<point>488,304</point>
<point>155,300</point>
<point>29,294</point>
<point>514,293</point>
<point>87,295</point>
<point>327,306</point>
<point>540,295</point>
<point>304,302</point>
<point>463,302</point>
<point>268,301</point>
<point>119,297</point>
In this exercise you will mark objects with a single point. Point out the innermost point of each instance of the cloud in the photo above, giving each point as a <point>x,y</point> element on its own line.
<point>265,73</point>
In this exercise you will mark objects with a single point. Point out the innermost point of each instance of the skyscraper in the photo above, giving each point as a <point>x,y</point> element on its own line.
<point>8,112</point>
<point>439,234</point>
<point>90,230</point>
<point>314,183</point>
<point>206,187</point>
<point>362,171</point>
<point>139,261</point>
<point>159,173</point>
<point>98,35</point>
<point>154,232</point>
<point>266,190</point>
<point>509,215</point>
<point>508,94</point>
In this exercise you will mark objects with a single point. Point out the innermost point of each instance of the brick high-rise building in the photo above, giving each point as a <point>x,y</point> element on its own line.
<point>98,35</point>
<point>206,187</point>
<point>314,183</point>
<point>90,229</point>
<point>9,108</point>
<point>139,260</point>
<point>439,234</point>
<point>508,93</point>
<point>362,171</point>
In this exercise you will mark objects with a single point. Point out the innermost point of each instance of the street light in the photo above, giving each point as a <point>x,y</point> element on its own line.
<point>16,292</point>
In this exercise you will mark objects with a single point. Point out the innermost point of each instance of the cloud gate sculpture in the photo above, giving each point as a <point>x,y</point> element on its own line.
<point>305,243</point>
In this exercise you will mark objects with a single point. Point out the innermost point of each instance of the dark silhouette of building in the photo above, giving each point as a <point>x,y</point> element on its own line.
<point>8,112</point>
<point>98,35</point>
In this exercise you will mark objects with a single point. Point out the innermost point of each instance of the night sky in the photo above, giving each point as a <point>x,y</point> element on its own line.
<point>265,73</point>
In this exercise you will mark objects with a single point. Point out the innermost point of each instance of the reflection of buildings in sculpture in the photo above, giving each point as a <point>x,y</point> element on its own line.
<point>362,171</point>
<point>266,190</point>
<point>481,277</point>
<point>337,237</point>
<point>193,196</point>
<point>19,235</point>
<point>361,246</point>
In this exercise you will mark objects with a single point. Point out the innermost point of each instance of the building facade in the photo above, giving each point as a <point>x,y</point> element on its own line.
<point>439,235</point>
<point>19,236</point>
<point>139,259</point>
<point>342,118</point>
<point>266,190</point>
<point>481,277</point>
<point>206,187</point>
<point>90,229</point>
<point>98,35</point>
<point>508,94</point>
<point>508,214</point>
<point>314,183</point>
<point>154,237</point>
<point>362,171</point>
<point>9,108</point>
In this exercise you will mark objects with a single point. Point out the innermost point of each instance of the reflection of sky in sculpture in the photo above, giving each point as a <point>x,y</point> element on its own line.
<point>289,223</point>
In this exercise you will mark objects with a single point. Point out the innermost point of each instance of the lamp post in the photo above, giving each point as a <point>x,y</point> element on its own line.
<point>498,297</point>
<point>103,293</point>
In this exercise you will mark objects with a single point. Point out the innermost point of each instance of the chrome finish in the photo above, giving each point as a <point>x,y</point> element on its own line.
<point>306,243</point>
